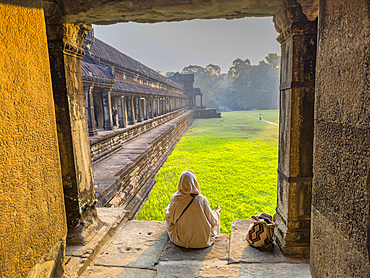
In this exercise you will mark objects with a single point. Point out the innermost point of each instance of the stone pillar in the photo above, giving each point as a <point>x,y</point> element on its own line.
<point>121,112</point>
<point>107,106</point>
<point>139,110</point>
<point>89,105</point>
<point>297,86</point>
<point>133,110</point>
<point>147,108</point>
<point>152,108</point>
<point>159,107</point>
<point>201,100</point>
<point>65,52</point>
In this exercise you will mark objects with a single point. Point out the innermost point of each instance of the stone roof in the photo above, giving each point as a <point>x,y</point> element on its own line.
<point>93,72</point>
<point>105,52</point>
<point>122,86</point>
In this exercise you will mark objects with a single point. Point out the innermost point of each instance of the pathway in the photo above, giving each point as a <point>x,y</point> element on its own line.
<point>271,123</point>
<point>106,172</point>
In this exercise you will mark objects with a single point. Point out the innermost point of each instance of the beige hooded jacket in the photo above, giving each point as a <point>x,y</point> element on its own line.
<point>199,226</point>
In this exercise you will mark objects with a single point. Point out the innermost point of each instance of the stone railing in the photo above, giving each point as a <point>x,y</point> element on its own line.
<point>103,145</point>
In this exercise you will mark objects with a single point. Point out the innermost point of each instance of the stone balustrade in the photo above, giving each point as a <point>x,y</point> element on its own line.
<point>106,142</point>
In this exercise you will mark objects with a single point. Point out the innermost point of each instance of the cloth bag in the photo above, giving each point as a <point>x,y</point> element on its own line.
<point>261,231</point>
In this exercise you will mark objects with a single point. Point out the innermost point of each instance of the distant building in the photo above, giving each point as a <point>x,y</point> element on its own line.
<point>137,92</point>
<point>195,96</point>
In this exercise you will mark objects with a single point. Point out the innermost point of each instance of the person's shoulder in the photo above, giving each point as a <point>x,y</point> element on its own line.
<point>201,198</point>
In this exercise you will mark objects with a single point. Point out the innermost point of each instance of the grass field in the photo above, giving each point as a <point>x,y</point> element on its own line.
<point>235,161</point>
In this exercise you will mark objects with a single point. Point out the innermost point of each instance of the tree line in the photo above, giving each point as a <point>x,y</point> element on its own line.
<point>243,87</point>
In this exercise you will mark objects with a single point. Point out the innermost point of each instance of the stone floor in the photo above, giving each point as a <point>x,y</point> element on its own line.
<point>141,249</point>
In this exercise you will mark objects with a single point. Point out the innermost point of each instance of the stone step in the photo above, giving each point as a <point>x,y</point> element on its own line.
<point>142,249</point>
<point>78,258</point>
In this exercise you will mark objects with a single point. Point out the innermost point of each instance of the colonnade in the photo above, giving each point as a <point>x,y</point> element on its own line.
<point>131,108</point>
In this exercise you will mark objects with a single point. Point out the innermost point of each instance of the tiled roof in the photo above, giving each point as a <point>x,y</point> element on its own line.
<point>95,72</point>
<point>108,53</point>
<point>127,87</point>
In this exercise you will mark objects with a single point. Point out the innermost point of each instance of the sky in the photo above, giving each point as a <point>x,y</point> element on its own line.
<point>175,45</point>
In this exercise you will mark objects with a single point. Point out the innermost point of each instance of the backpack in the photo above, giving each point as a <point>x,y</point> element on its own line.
<point>261,231</point>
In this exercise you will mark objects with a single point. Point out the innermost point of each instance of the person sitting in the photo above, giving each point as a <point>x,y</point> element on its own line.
<point>190,221</point>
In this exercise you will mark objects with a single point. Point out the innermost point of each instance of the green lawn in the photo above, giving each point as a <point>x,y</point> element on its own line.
<point>235,161</point>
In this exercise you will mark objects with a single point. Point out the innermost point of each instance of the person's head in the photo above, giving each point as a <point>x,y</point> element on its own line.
<point>188,183</point>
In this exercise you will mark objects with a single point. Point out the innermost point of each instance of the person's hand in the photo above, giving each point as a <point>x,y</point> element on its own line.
<point>218,208</point>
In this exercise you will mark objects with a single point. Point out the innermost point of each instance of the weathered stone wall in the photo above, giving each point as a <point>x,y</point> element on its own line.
<point>340,235</point>
<point>32,221</point>
<point>105,145</point>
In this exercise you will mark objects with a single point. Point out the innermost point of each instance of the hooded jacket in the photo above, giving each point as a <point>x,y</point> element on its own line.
<point>198,227</point>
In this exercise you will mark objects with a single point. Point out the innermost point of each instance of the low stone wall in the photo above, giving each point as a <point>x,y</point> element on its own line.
<point>103,145</point>
<point>137,179</point>
<point>206,113</point>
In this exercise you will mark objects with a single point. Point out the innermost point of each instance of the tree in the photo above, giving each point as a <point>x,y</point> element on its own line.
<point>245,86</point>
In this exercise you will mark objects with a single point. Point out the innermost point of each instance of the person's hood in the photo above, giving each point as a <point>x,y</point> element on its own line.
<point>188,183</point>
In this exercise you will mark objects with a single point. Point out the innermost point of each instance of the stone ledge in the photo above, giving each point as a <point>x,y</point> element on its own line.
<point>78,258</point>
<point>241,252</point>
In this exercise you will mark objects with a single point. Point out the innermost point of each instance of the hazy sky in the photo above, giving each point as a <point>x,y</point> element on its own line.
<point>172,46</point>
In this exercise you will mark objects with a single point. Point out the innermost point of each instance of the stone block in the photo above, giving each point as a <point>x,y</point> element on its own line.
<point>178,269</point>
<point>242,252</point>
<point>137,272</point>
<point>217,252</point>
<point>330,248</point>
<point>102,271</point>
<point>139,244</point>
<point>270,270</point>
<point>117,272</point>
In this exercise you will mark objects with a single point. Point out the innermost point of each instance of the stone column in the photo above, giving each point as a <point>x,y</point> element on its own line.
<point>133,110</point>
<point>65,52</point>
<point>122,112</point>
<point>89,105</point>
<point>107,106</point>
<point>138,103</point>
<point>297,86</point>
<point>152,108</point>
<point>147,108</point>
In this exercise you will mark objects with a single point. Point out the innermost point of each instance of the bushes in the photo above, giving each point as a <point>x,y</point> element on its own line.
<point>236,170</point>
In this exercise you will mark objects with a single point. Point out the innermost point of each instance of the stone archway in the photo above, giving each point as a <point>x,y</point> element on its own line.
<point>301,170</point>
<point>298,40</point>
<point>31,194</point>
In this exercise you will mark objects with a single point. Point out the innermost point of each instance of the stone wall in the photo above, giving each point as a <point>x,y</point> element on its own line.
<point>206,113</point>
<point>101,146</point>
<point>32,221</point>
<point>340,229</point>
